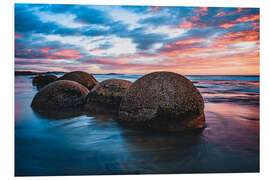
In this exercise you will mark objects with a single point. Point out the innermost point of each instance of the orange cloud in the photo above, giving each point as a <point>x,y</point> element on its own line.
<point>248,18</point>
<point>227,25</point>
<point>219,48</point>
<point>191,24</point>
<point>189,41</point>
<point>242,36</point>
<point>186,24</point>
<point>194,20</point>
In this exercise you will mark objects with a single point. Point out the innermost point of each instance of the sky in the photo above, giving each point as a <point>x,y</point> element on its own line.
<point>137,39</point>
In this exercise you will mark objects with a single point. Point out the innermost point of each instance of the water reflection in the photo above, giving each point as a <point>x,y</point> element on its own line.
<point>87,143</point>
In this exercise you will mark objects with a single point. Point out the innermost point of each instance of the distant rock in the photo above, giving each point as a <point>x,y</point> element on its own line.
<point>162,101</point>
<point>53,73</point>
<point>106,96</point>
<point>81,77</point>
<point>113,74</point>
<point>42,80</point>
<point>26,73</point>
<point>59,95</point>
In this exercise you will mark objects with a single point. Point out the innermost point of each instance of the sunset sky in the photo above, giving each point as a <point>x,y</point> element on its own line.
<point>137,39</point>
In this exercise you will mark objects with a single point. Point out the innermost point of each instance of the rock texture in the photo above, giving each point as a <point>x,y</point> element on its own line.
<point>106,96</point>
<point>43,80</point>
<point>66,113</point>
<point>81,77</point>
<point>162,101</point>
<point>59,95</point>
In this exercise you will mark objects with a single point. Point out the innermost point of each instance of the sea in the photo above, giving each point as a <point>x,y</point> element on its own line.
<point>95,144</point>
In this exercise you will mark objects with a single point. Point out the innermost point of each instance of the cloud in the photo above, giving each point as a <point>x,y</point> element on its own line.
<point>144,40</point>
<point>138,39</point>
<point>47,53</point>
<point>154,9</point>
<point>83,13</point>
<point>218,17</point>
<point>26,22</point>
<point>36,47</point>
<point>167,16</point>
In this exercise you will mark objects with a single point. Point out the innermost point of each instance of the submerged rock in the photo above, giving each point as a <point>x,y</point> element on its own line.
<point>43,80</point>
<point>59,95</point>
<point>162,101</point>
<point>81,77</point>
<point>107,95</point>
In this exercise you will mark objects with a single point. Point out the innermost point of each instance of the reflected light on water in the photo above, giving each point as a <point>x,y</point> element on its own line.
<point>84,144</point>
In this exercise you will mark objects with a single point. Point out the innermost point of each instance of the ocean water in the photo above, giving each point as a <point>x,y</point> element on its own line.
<point>88,144</point>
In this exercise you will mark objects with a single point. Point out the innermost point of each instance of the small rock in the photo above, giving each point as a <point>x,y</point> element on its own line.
<point>43,80</point>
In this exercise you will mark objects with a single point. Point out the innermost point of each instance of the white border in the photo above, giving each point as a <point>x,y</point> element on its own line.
<point>222,3</point>
<point>7,86</point>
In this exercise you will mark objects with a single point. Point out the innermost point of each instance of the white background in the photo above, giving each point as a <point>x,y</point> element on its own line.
<point>7,85</point>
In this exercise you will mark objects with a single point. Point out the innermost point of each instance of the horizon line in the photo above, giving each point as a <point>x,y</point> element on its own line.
<point>145,73</point>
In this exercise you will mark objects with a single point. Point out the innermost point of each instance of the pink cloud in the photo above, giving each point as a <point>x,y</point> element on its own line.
<point>154,9</point>
<point>28,50</point>
<point>194,20</point>
<point>68,54</point>
<point>45,50</point>
<point>201,9</point>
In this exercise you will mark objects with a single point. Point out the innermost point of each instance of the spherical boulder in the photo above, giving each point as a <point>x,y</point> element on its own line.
<point>60,95</point>
<point>42,80</point>
<point>81,77</point>
<point>162,101</point>
<point>106,96</point>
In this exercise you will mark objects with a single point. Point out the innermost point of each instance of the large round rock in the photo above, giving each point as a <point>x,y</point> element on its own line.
<point>106,96</point>
<point>162,101</point>
<point>60,95</point>
<point>81,77</point>
<point>43,80</point>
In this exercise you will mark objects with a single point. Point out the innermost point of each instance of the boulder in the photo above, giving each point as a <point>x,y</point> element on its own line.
<point>66,113</point>
<point>81,77</point>
<point>162,101</point>
<point>106,96</point>
<point>59,95</point>
<point>42,80</point>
